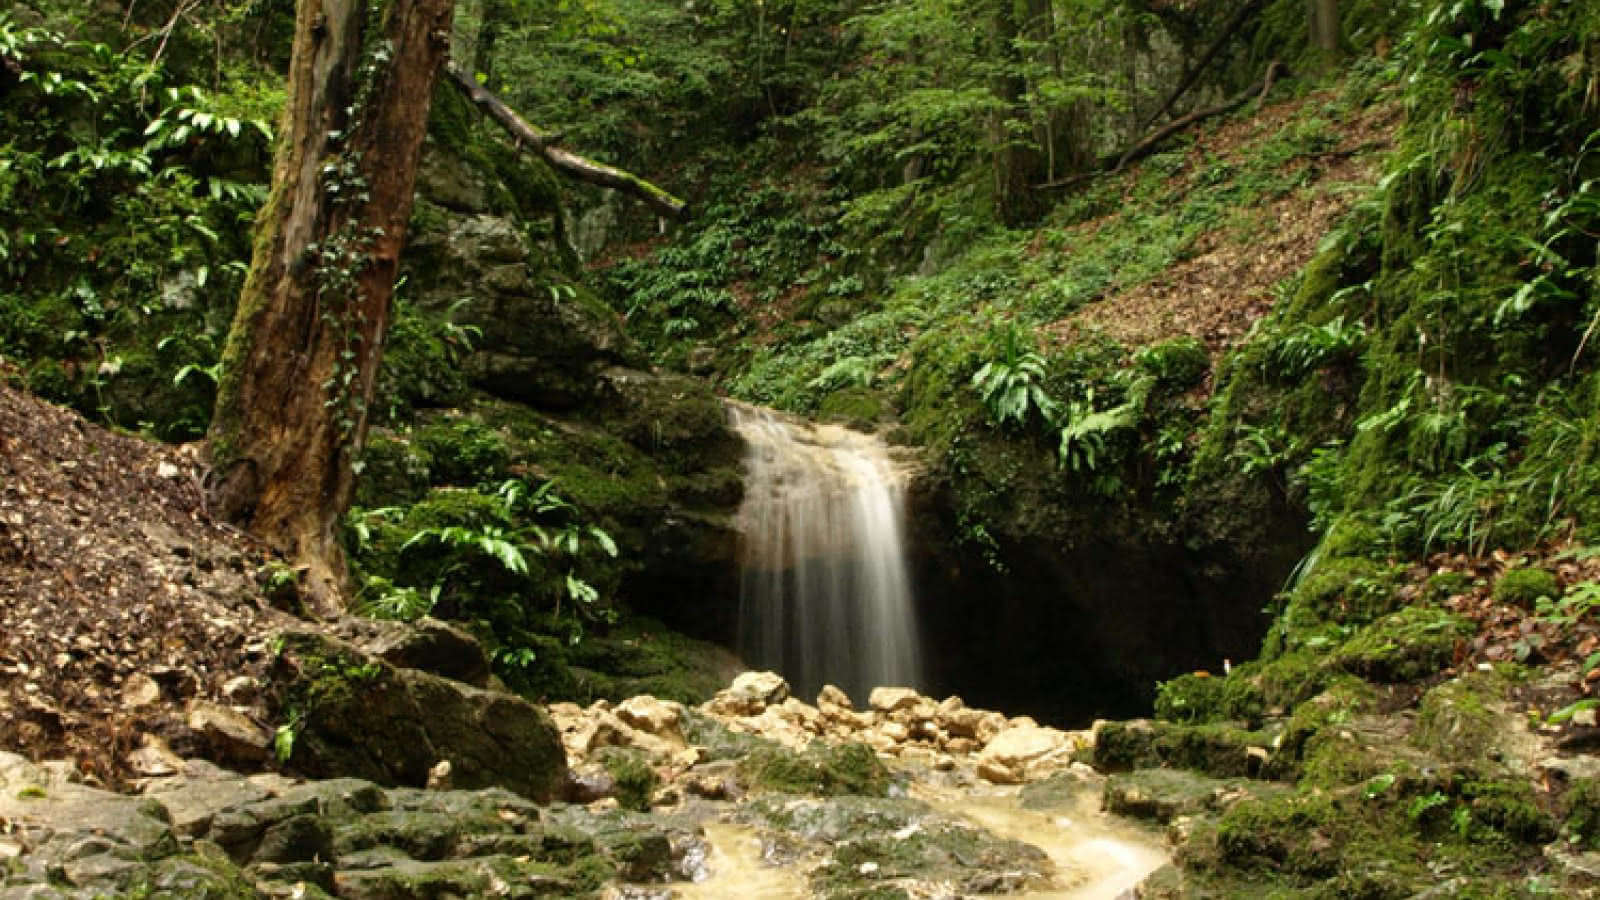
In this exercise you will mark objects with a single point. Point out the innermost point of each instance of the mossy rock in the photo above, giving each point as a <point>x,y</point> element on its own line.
<point>1295,834</point>
<point>395,471</point>
<point>1406,646</point>
<point>1217,750</point>
<point>635,780</point>
<point>861,408</point>
<point>462,450</point>
<point>1581,805</point>
<point>1161,795</point>
<point>1340,590</point>
<point>1465,719</point>
<point>823,770</point>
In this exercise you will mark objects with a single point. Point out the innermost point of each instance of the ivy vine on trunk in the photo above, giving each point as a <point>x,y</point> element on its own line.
<point>299,367</point>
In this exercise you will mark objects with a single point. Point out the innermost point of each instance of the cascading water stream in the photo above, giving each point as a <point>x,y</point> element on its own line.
<point>824,596</point>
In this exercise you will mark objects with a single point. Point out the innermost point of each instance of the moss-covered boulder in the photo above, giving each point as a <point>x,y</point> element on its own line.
<point>824,770</point>
<point>1218,750</point>
<point>349,713</point>
<point>1405,646</point>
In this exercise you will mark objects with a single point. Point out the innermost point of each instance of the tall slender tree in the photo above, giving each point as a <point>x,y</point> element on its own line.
<point>301,358</point>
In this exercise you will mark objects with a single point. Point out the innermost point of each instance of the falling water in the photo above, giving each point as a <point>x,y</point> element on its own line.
<point>824,597</point>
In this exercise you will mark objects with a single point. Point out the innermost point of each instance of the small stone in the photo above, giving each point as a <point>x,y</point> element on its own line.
<point>165,469</point>
<point>230,733</point>
<point>240,689</point>
<point>439,776</point>
<point>140,690</point>
<point>867,868</point>
<point>652,716</point>
<point>889,699</point>
<point>833,696</point>
<point>154,760</point>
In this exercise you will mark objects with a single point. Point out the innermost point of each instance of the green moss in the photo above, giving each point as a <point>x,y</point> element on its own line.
<point>633,775</point>
<point>1190,699</point>
<point>1296,835</point>
<point>1178,364</point>
<point>464,451</point>
<point>858,407</point>
<point>1342,591</point>
<point>1406,646</point>
<point>821,769</point>
<point>1582,812</point>
<point>1217,750</point>
<point>1463,719</point>
<point>1525,586</point>
<point>394,471</point>
<point>1441,586</point>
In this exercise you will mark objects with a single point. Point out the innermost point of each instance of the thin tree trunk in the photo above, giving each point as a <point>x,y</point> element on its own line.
<point>299,365</point>
<point>1326,34</point>
<point>1018,162</point>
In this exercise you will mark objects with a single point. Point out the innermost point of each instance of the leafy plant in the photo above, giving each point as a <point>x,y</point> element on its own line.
<point>1011,386</point>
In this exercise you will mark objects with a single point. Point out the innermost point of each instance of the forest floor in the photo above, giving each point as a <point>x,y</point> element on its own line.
<point>121,601</point>
<point>1229,280</point>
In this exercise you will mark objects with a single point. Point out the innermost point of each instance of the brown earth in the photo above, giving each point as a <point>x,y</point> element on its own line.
<point>1228,283</point>
<point>121,600</point>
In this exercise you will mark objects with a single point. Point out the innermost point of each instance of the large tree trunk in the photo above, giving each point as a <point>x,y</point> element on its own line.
<point>299,366</point>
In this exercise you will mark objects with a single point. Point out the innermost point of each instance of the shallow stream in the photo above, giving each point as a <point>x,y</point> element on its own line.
<point>1095,856</point>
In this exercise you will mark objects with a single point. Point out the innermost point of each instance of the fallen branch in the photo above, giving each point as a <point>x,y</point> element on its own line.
<point>566,162</point>
<point>1111,165</point>
<point>1228,32</point>
<point>1144,147</point>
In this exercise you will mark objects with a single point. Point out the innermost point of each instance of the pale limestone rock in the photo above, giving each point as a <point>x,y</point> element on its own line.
<point>241,689</point>
<point>439,776</point>
<point>802,715</point>
<point>894,731</point>
<point>140,690</point>
<point>657,717</point>
<point>154,759</point>
<point>961,746</point>
<point>1020,752</point>
<point>996,772</point>
<point>889,699</point>
<point>231,733</point>
<point>749,694</point>
<point>833,696</point>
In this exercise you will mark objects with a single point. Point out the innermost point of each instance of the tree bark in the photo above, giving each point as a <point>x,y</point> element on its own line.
<point>1326,33</point>
<point>566,162</point>
<point>1018,162</point>
<point>299,366</point>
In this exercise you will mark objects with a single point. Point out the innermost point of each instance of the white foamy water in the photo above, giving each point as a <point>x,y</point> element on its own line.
<point>824,597</point>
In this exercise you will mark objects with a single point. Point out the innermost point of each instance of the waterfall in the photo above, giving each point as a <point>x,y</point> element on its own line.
<point>824,595</point>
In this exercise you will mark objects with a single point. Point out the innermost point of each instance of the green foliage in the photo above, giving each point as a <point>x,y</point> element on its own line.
<point>515,556</point>
<point>1011,384</point>
<point>131,191</point>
